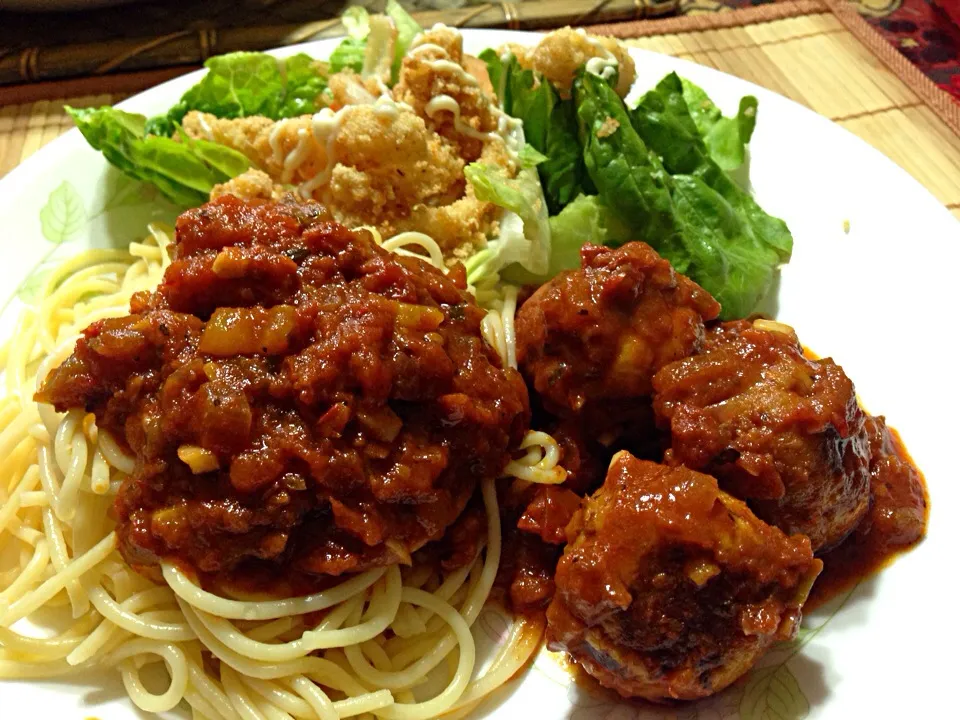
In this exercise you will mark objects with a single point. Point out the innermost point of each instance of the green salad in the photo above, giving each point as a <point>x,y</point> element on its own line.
<point>668,169</point>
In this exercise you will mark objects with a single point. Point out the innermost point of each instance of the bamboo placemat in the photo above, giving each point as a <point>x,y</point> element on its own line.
<point>822,54</point>
<point>810,50</point>
<point>142,36</point>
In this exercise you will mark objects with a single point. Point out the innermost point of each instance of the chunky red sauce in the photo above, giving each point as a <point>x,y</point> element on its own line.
<point>659,593</point>
<point>300,402</point>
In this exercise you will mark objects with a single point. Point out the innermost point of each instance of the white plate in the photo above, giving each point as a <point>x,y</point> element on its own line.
<point>875,299</point>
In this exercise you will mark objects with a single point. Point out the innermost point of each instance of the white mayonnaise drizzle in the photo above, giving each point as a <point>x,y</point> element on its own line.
<point>597,45</point>
<point>204,126</point>
<point>426,47</point>
<point>508,129</point>
<point>325,127</point>
<point>602,67</point>
<point>605,64</point>
<point>326,124</point>
<point>274,139</point>
<point>293,159</point>
<point>296,157</point>
<point>449,104</point>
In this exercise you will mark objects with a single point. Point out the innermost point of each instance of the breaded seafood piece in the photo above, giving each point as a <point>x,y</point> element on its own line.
<point>348,88</point>
<point>388,165</point>
<point>671,589</point>
<point>393,149</point>
<point>252,185</point>
<point>435,84</point>
<point>562,52</point>
<point>241,134</point>
<point>385,169</point>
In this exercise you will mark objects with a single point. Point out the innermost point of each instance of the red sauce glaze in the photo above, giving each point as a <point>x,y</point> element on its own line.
<point>897,520</point>
<point>594,337</point>
<point>300,402</point>
<point>671,588</point>
<point>780,431</point>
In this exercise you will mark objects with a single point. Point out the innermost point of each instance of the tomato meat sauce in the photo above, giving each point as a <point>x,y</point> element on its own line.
<point>300,402</point>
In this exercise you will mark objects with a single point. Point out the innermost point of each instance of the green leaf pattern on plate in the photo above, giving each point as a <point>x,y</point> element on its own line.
<point>29,290</point>
<point>773,693</point>
<point>63,215</point>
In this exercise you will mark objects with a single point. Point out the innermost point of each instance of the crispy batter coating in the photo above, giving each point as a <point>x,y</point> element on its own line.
<point>348,88</point>
<point>252,185</point>
<point>389,170</point>
<point>395,162</point>
<point>433,68</point>
<point>561,52</point>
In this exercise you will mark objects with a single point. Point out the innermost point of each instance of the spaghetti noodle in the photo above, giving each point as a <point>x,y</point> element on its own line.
<point>367,645</point>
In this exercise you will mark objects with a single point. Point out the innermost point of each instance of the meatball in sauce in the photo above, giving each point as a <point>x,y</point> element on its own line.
<point>897,519</point>
<point>670,588</point>
<point>595,335</point>
<point>783,432</point>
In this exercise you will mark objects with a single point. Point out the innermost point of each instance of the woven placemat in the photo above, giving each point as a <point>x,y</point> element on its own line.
<point>36,47</point>
<point>822,54</point>
<point>812,51</point>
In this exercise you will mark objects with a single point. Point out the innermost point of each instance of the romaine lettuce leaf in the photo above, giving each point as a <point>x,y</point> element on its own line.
<point>629,178</point>
<point>585,220</point>
<point>242,84</point>
<point>549,125</point>
<point>725,138</point>
<point>352,52</point>
<point>664,121</point>
<point>524,235</point>
<point>407,30</point>
<point>657,175</point>
<point>184,172</point>
<point>304,83</point>
<point>348,55</point>
<point>717,247</point>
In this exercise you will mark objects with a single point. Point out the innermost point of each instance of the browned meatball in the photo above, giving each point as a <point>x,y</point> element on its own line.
<point>897,517</point>
<point>671,588</point>
<point>781,431</point>
<point>600,333</point>
<point>899,509</point>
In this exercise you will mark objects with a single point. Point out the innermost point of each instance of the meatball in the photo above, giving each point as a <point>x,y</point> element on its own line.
<point>898,512</point>
<point>593,337</point>
<point>672,589</point>
<point>781,431</point>
<point>896,521</point>
<point>300,402</point>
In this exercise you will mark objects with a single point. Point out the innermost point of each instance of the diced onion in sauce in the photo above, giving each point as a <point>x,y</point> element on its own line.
<point>776,327</point>
<point>246,331</point>
<point>198,459</point>
<point>419,317</point>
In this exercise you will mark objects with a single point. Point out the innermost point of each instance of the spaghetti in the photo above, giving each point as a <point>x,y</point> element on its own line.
<point>367,646</point>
